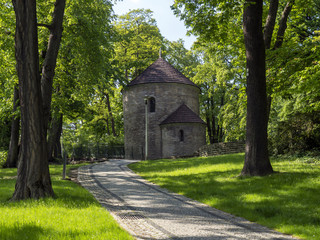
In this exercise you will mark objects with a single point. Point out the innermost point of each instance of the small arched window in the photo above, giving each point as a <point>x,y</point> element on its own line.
<point>181,135</point>
<point>152,104</point>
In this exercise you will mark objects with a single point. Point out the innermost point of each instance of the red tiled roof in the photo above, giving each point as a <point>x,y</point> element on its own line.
<point>183,115</point>
<point>161,72</point>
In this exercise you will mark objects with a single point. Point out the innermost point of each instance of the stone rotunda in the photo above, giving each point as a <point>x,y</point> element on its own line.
<point>161,114</point>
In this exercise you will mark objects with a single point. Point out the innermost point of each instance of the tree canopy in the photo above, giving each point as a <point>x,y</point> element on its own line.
<point>100,53</point>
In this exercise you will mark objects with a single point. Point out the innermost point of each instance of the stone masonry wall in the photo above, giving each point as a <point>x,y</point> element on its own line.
<point>194,137</point>
<point>168,97</point>
<point>221,148</point>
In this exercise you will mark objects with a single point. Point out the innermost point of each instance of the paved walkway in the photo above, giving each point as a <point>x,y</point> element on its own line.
<point>148,212</point>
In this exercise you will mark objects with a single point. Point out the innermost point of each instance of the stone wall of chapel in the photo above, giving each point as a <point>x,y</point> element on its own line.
<point>193,138</point>
<point>168,97</point>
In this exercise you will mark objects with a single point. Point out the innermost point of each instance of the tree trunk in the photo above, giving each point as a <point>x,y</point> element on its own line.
<point>13,152</point>
<point>54,135</point>
<point>283,24</point>
<point>33,178</point>
<point>256,159</point>
<point>209,128</point>
<point>271,20</point>
<point>110,115</point>
<point>269,28</point>
<point>219,128</point>
<point>209,122</point>
<point>213,121</point>
<point>51,58</point>
<point>57,150</point>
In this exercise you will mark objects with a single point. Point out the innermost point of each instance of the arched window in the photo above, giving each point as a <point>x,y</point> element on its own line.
<point>152,104</point>
<point>181,135</point>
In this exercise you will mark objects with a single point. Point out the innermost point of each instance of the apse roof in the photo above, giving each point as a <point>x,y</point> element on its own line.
<point>183,115</point>
<point>161,72</point>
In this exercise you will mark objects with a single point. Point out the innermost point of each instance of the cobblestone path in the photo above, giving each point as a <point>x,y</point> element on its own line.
<point>148,212</point>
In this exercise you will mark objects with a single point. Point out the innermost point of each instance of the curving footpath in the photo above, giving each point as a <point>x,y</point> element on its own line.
<point>147,211</point>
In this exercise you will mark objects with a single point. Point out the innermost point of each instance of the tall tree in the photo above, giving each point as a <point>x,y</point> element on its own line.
<point>256,159</point>
<point>33,179</point>
<point>80,85</point>
<point>139,42</point>
<point>217,21</point>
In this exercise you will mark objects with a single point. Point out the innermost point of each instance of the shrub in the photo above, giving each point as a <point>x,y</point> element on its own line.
<point>3,157</point>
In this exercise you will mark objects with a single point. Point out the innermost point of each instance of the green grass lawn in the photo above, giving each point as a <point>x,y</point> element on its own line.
<point>74,214</point>
<point>287,201</point>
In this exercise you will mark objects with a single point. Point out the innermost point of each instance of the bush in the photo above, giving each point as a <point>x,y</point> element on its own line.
<point>299,134</point>
<point>3,157</point>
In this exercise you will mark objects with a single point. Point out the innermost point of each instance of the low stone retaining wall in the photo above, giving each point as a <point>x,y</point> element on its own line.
<point>221,148</point>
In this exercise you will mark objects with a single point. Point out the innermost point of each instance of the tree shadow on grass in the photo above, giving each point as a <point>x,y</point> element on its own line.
<point>277,201</point>
<point>284,200</point>
<point>21,232</point>
<point>176,164</point>
<point>67,194</point>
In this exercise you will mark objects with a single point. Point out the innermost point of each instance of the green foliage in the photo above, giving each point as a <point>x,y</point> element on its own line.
<point>100,53</point>
<point>286,201</point>
<point>232,115</point>
<point>81,141</point>
<point>179,57</point>
<point>3,157</point>
<point>211,20</point>
<point>293,83</point>
<point>74,214</point>
<point>222,99</point>
<point>84,55</point>
<point>138,45</point>
<point>8,72</point>
<point>292,69</point>
<point>293,131</point>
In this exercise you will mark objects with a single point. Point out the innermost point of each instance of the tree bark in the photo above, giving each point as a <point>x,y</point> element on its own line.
<point>111,115</point>
<point>54,135</point>
<point>213,120</point>
<point>271,21</point>
<point>209,128</point>
<point>13,152</point>
<point>57,150</point>
<point>51,58</point>
<point>256,158</point>
<point>210,121</point>
<point>268,32</point>
<point>283,24</point>
<point>33,178</point>
<point>269,28</point>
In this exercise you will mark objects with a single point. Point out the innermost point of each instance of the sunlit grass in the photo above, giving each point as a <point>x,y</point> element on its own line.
<point>73,214</point>
<point>287,201</point>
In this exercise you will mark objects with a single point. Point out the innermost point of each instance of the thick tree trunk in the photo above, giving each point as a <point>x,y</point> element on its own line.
<point>256,159</point>
<point>51,58</point>
<point>13,152</point>
<point>54,135</point>
<point>33,179</point>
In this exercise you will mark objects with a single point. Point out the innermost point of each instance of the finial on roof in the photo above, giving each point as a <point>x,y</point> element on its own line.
<point>160,53</point>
